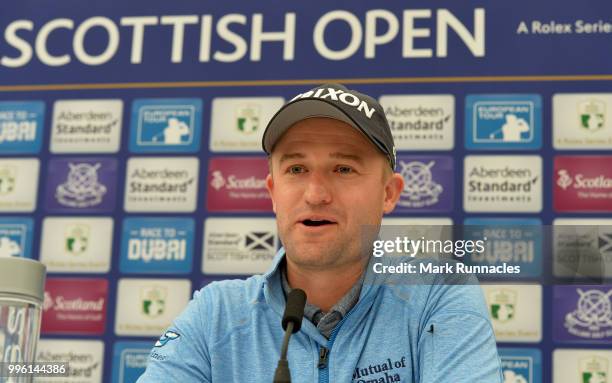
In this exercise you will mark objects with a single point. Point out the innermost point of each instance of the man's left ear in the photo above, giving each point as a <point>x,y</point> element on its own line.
<point>393,189</point>
<point>270,187</point>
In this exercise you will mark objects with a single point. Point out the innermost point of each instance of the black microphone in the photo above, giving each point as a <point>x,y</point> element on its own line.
<point>292,321</point>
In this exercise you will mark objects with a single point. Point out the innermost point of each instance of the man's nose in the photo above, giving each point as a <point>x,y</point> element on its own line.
<point>318,190</point>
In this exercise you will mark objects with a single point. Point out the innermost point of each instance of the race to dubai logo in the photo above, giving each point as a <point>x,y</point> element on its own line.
<point>247,118</point>
<point>21,125</point>
<point>592,318</point>
<point>81,188</point>
<point>8,175</point>
<point>76,239</point>
<point>592,114</point>
<point>502,305</point>
<point>419,188</point>
<point>153,300</point>
<point>593,369</point>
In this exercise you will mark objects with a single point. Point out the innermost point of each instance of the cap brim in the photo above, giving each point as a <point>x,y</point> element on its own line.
<point>298,111</point>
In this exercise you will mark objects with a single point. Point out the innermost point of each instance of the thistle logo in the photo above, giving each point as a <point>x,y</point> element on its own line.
<point>153,300</point>
<point>248,118</point>
<point>81,188</point>
<point>592,114</point>
<point>565,180</point>
<point>218,180</point>
<point>420,190</point>
<point>502,305</point>
<point>8,175</point>
<point>76,239</point>
<point>593,370</point>
<point>592,317</point>
<point>9,248</point>
<point>167,337</point>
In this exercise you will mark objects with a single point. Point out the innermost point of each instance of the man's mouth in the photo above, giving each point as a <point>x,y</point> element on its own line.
<point>317,222</point>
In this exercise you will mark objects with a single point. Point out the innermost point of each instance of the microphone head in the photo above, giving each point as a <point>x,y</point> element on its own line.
<point>294,310</point>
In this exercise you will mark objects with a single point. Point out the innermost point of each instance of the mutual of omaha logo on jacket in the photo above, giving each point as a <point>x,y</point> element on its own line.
<point>502,183</point>
<point>74,306</point>
<point>583,183</point>
<point>161,184</point>
<point>238,184</point>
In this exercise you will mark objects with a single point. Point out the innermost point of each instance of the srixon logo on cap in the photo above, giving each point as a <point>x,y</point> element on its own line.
<point>344,97</point>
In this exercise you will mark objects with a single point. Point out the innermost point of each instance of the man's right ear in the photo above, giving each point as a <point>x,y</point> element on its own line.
<point>270,187</point>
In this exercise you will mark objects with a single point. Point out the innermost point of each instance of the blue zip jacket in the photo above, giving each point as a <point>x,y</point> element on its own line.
<point>231,332</point>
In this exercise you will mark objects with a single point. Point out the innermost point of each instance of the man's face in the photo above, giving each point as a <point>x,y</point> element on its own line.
<point>327,182</point>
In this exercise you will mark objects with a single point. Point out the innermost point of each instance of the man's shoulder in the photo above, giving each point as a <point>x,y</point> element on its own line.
<point>234,294</point>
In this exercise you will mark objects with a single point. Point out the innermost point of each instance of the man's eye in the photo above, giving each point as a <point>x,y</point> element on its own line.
<point>344,169</point>
<point>296,169</point>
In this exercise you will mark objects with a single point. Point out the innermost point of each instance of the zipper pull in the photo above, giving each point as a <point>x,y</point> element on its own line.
<point>323,356</point>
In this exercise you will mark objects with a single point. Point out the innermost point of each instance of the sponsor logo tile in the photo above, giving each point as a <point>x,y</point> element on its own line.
<point>582,365</point>
<point>77,244</point>
<point>514,241</point>
<point>146,307</point>
<point>238,123</point>
<point>521,365</point>
<point>238,184</point>
<point>421,122</point>
<point>86,126</point>
<point>81,184</point>
<point>502,184</point>
<point>157,245</point>
<point>21,126</point>
<point>85,359</point>
<point>130,360</point>
<point>428,183</point>
<point>582,121</point>
<point>582,313</point>
<point>503,122</point>
<point>172,125</point>
<point>16,237</point>
<point>161,184</point>
<point>18,184</point>
<point>238,245</point>
<point>515,312</point>
<point>582,184</point>
<point>75,306</point>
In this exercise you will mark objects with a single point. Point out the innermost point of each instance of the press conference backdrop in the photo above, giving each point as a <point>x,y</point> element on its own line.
<point>131,163</point>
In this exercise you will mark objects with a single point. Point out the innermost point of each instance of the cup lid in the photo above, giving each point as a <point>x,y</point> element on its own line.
<point>22,276</point>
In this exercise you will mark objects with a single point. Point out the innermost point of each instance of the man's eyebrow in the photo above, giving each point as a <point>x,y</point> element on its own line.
<point>291,156</point>
<point>345,156</point>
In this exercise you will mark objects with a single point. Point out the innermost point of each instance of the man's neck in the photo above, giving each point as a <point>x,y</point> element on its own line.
<point>324,288</point>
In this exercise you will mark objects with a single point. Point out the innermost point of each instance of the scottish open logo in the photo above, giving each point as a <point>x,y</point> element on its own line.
<point>502,305</point>
<point>592,317</point>
<point>592,114</point>
<point>166,125</point>
<point>594,369</point>
<point>248,118</point>
<point>503,122</point>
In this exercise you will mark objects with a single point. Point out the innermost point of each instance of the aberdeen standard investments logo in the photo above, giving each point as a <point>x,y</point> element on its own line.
<point>238,184</point>
<point>583,183</point>
<point>502,183</point>
<point>166,125</point>
<point>421,122</point>
<point>503,122</point>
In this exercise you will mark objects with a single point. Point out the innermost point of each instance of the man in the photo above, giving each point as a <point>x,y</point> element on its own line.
<point>331,175</point>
